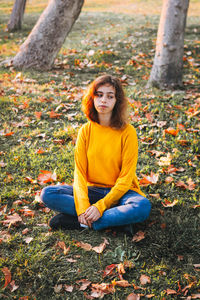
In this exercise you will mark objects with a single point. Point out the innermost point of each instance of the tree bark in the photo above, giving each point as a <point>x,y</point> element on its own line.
<point>47,37</point>
<point>167,68</point>
<point>15,22</point>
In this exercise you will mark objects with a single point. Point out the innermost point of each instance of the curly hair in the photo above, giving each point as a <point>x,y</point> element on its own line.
<point>119,114</point>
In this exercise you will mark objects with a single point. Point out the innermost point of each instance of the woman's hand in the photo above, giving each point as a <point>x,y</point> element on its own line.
<point>82,220</point>
<point>92,214</point>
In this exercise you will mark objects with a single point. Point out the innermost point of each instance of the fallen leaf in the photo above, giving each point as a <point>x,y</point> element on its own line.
<point>68,288</point>
<point>46,176</point>
<point>167,203</point>
<point>109,270</point>
<point>150,296</point>
<point>149,179</point>
<point>122,283</point>
<point>133,296</point>
<point>84,284</point>
<point>171,292</point>
<point>84,246</point>
<point>4,236</point>
<point>197,265</point>
<point>144,279</point>
<point>196,296</point>
<point>54,115</point>
<point>13,286</point>
<point>25,231</point>
<point>38,114</point>
<point>58,288</point>
<point>27,212</point>
<point>7,275</point>
<point>71,260</point>
<point>14,219</point>
<point>101,247</point>
<point>140,235</point>
<point>28,239</point>
<point>106,288</point>
<point>169,179</point>
<point>165,160</point>
<point>172,131</point>
<point>63,247</point>
<point>157,196</point>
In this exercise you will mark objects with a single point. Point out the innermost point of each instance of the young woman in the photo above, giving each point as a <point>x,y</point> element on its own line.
<point>106,192</point>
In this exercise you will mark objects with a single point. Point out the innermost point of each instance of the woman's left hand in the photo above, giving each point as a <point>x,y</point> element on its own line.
<point>92,214</point>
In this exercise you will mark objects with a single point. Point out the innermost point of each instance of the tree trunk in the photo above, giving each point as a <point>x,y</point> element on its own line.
<point>167,68</point>
<point>47,37</point>
<point>15,22</point>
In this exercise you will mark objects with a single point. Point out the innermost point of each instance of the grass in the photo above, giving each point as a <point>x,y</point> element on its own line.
<point>124,46</point>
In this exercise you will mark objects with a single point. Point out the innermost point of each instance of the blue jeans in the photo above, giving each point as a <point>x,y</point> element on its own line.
<point>131,208</point>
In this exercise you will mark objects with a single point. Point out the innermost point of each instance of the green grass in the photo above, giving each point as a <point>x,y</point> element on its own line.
<point>123,45</point>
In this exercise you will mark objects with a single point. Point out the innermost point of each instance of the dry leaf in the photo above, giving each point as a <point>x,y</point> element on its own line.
<point>171,292</point>
<point>68,288</point>
<point>195,296</point>
<point>84,246</point>
<point>133,296</point>
<point>58,288</point>
<point>172,131</point>
<point>109,270</point>
<point>63,247</point>
<point>149,179</point>
<point>101,247</point>
<point>167,203</point>
<point>122,283</point>
<point>84,284</point>
<point>165,160</point>
<point>46,176</point>
<point>28,239</point>
<point>144,279</point>
<point>7,275</point>
<point>13,286</point>
<point>138,236</point>
<point>103,287</point>
<point>14,219</point>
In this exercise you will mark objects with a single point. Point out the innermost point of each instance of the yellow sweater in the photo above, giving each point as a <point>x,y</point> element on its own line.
<point>105,157</point>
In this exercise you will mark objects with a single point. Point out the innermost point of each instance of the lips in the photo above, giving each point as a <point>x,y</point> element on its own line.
<point>102,106</point>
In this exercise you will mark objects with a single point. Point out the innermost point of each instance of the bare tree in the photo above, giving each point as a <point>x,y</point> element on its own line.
<point>15,22</point>
<point>167,68</point>
<point>47,37</point>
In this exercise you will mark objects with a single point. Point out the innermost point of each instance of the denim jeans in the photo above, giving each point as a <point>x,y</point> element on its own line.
<point>131,208</point>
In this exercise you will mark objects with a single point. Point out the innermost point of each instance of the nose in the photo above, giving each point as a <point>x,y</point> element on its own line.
<point>103,99</point>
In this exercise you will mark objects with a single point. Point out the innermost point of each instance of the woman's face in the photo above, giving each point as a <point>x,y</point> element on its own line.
<point>104,99</point>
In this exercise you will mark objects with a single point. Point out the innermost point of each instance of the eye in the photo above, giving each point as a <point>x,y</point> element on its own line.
<point>99,94</point>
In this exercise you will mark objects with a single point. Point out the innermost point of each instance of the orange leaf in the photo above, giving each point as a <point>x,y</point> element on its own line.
<point>122,283</point>
<point>40,151</point>
<point>157,196</point>
<point>27,212</point>
<point>167,203</point>
<point>101,247</point>
<point>103,287</point>
<point>171,292</point>
<point>46,176</point>
<point>133,296</point>
<point>172,131</point>
<point>169,179</point>
<point>54,115</point>
<point>144,279</point>
<point>63,247</point>
<point>9,133</point>
<point>84,246</point>
<point>109,270</point>
<point>12,220</point>
<point>14,287</point>
<point>138,236</point>
<point>7,275</point>
<point>84,284</point>
<point>149,179</point>
<point>38,114</point>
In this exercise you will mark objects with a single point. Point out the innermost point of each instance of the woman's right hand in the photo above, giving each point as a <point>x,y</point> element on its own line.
<point>82,220</point>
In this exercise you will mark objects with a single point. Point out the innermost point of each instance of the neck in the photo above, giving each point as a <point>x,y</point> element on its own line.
<point>104,120</point>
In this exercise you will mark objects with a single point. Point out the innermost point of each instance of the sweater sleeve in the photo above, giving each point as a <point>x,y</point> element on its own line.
<point>80,173</point>
<point>127,173</point>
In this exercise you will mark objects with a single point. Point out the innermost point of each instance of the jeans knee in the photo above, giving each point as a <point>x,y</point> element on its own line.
<point>44,196</point>
<point>145,206</point>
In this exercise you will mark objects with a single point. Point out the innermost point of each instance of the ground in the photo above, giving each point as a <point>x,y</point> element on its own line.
<point>40,117</point>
